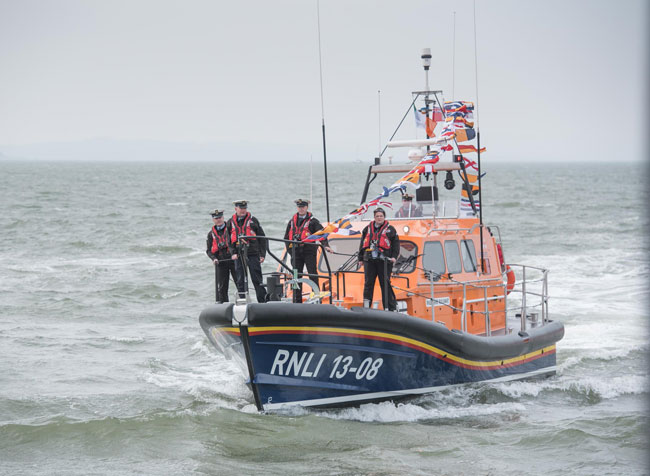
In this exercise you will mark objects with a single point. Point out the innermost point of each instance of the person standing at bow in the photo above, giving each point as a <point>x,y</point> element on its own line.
<point>243,224</point>
<point>218,251</point>
<point>378,251</point>
<point>301,225</point>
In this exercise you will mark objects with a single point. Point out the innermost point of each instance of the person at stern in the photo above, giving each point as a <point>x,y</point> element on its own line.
<point>378,251</point>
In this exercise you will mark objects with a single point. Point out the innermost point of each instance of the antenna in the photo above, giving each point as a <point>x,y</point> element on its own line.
<point>311,178</point>
<point>322,108</point>
<point>379,121</point>
<point>453,65</point>
<point>478,145</point>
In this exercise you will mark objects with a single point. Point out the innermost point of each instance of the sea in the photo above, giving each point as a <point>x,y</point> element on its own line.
<point>104,369</point>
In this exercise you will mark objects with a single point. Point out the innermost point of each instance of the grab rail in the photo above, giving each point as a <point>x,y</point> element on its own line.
<point>521,287</point>
<point>294,271</point>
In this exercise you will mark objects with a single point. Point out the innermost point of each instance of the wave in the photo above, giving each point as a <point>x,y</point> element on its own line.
<point>216,381</point>
<point>161,249</point>
<point>592,389</point>
<point>125,340</point>
<point>389,412</point>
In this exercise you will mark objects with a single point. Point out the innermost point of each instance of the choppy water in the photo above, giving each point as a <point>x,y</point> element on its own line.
<point>105,370</point>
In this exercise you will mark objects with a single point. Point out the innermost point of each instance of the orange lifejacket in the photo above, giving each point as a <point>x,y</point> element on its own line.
<point>299,233</point>
<point>244,230</point>
<point>219,240</point>
<point>380,237</point>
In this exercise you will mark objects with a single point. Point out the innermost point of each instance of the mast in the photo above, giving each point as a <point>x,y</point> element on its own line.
<point>478,143</point>
<point>426,63</point>
<point>322,108</point>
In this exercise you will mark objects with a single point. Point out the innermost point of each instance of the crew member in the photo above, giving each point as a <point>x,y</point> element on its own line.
<point>241,224</point>
<point>218,251</point>
<point>378,251</point>
<point>301,225</point>
<point>408,210</point>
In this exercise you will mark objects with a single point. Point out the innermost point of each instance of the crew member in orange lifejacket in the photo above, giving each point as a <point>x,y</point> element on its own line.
<point>241,224</point>
<point>218,251</point>
<point>408,210</point>
<point>378,251</point>
<point>301,225</point>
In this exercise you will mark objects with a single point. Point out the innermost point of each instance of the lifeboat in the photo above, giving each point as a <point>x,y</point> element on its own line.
<point>464,314</point>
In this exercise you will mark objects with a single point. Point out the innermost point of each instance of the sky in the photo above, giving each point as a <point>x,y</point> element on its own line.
<point>557,80</point>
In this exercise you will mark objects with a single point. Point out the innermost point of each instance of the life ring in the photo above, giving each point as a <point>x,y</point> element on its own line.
<point>510,275</point>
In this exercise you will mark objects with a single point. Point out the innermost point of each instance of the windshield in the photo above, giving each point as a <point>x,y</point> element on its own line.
<point>347,250</point>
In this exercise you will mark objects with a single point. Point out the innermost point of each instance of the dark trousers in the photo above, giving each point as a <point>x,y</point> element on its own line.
<point>373,269</point>
<point>223,272</point>
<point>302,259</point>
<point>255,270</point>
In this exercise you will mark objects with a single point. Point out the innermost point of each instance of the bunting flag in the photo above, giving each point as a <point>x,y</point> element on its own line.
<point>466,149</point>
<point>342,225</point>
<point>458,117</point>
<point>463,135</point>
<point>431,126</point>
<point>436,114</point>
<point>466,210</point>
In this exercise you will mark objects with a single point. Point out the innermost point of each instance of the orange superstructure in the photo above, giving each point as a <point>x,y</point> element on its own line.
<point>440,257</point>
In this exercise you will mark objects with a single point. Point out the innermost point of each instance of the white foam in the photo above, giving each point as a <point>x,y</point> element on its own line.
<point>604,387</point>
<point>125,339</point>
<point>388,412</point>
<point>216,380</point>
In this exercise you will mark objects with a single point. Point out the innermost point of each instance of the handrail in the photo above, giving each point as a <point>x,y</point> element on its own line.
<point>522,287</point>
<point>489,283</point>
<point>281,262</point>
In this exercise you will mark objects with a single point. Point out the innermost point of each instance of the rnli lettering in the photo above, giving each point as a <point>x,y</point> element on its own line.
<point>305,364</point>
<point>298,364</point>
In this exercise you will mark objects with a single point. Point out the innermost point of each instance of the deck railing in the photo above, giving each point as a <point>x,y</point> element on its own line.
<point>530,297</point>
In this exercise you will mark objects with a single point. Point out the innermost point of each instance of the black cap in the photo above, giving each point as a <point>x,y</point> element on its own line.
<point>301,202</point>
<point>379,209</point>
<point>241,203</point>
<point>217,213</point>
<point>408,197</point>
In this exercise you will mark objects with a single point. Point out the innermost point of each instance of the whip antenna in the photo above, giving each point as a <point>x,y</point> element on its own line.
<point>379,121</point>
<point>311,178</point>
<point>478,144</point>
<point>453,64</point>
<point>322,109</point>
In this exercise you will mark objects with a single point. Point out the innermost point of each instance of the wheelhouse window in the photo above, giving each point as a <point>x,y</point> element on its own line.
<point>433,259</point>
<point>347,260</point>
<point>453,257</point>
<point>408,254</point>
<point>468,253</point>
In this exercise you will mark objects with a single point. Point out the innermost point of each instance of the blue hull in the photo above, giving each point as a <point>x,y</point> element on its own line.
<point>362,356</point>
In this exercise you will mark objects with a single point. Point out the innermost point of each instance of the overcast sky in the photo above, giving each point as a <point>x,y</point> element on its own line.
<point>557,79</point>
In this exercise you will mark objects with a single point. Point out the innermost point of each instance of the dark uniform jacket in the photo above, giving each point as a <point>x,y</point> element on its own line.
<point>222,253</point>
<point>408,212</point>
<point>391,234</point>
<point>255,247</point>
<point>313,227</point>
